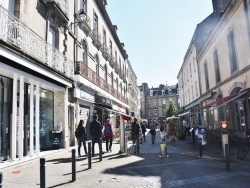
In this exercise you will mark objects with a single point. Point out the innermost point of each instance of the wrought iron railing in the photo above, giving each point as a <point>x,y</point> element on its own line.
<point>96,37</point>
<point>16,34</point>
<point>90,75</point>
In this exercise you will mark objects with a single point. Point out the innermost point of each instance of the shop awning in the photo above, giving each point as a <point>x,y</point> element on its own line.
<point>224,100</point>
<point>126,117</point>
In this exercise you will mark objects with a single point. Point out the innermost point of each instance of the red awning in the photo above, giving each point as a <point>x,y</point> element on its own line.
<point>225,99</point>
<point>126,117</point>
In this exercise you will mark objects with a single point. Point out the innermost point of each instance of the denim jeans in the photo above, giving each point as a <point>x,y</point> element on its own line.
<point>81,141</point>
<point>109,141</point>
<point>136,143</point>
<point>96,139</point>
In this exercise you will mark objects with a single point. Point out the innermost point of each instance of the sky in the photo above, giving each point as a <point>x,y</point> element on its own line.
<point>156,34</point>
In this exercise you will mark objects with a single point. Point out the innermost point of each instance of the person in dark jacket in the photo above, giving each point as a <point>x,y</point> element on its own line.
<point>136,135</point>
<point>143,128</point>
<point>96,133</point>
<point>82,139</point>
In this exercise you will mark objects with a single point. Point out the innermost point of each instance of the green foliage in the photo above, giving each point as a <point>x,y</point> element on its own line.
<point>170,110</point>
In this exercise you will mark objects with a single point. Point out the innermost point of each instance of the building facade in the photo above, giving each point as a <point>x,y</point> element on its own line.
<point>224,70</point>
<point>155,100</point>
<point>61,61</point>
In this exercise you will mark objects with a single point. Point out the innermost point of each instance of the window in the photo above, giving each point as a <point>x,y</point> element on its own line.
<point>194,64</point>
<point>116,84</point>
<point>196,89</point>
<point>206,76</point>
<point>192,87</point>
<point>169,91</point>
<point>149,114</point>
<point>232,51</point>
<point>148,104</point>
<point>163,92</point>
<point>95,24</point>
<point>155,103</point>
<point>216,66</point>
<point>112,79</point>
<point>84,52</point>
<point>96,65</point>
<point>110,48</point>
<point>151,93</point>
<point>84,5</point>
<point>105,73</point>
<point>164,102</point>
<point>190,70</point>
<point>104,38</point>
<point>156,112</point>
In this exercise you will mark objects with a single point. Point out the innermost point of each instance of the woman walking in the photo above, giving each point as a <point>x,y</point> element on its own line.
<point>80,134</point>
<point>108,134</point>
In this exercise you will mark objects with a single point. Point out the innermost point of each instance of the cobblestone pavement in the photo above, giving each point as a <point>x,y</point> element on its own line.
<point>182,167</point>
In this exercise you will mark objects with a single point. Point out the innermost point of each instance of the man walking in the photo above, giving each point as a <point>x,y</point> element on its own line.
<point>153,125</point>
<point>135,135</point>
<point>96,133</point>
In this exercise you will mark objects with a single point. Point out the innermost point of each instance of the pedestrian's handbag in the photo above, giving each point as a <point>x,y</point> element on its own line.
<point>151,131</point>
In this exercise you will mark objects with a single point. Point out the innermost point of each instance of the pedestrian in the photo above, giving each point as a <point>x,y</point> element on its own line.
<point>96,133</point>
<point>171,130</point>
<point>136,136</point>
<point>153,125</point>
<point>162,128</point>
<point>144,130</point>
<point>187,127</point>
<point>108,135</point>
<point>80,134</point>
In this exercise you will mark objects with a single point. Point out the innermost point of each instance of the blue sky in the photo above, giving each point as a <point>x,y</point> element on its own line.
<point>156,34</point>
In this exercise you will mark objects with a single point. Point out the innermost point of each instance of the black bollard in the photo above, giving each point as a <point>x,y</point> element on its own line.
<point>42,173</point>
<point>100,152</point>
<point>200,148</point>
<point>73,165</point>
<point>89,155</point>
<point>227,157</point>
<point>1,179</point>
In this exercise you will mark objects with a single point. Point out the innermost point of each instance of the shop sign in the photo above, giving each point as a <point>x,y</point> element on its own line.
<point>119,109</point>
<point>87,96</point>
<point>103,100</point>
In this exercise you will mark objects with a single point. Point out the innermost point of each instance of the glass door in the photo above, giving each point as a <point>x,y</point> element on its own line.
<point>5,114</point>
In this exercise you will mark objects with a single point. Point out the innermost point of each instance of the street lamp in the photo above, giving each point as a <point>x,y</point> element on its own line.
<point>82,15</point>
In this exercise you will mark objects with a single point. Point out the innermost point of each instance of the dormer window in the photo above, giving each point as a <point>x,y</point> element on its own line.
<point>151,93</point>
<point>169,91</point>
<point>163,92</point>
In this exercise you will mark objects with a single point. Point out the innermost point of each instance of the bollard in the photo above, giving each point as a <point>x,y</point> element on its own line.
<point>42,173</point>
<point>163,150</point>
<point>73,165</point>
<point>100,152</point>
<point>227,157</point>
<point>1,179</point>
<point>200,148</point>
<point>89,155</point>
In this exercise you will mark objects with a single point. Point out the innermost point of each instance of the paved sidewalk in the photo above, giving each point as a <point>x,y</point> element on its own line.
<point>183,167</point>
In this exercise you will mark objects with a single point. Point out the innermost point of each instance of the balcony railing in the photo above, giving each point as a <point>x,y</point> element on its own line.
<point>16,34</point>
<point>62,4</point>
<point>105,51</point>
<point>90,75</point>
<point>96,37</point>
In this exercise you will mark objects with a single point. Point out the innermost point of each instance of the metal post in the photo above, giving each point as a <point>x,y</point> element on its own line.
<point>227,157</point>
<point>100,152</point>
<point>1,179</point>
<point>200,148</point>
<point>73,165</point>
<point>89,155</point>
<point>42,173</point>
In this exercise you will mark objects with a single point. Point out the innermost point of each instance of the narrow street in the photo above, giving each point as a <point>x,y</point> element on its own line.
<point>182,167</point>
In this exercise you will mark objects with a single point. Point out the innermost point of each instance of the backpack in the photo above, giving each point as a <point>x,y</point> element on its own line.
<point>107,129</point>
<point>78,133</point>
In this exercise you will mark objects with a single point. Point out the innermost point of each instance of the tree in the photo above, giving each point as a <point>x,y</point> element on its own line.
<point>170,110</point>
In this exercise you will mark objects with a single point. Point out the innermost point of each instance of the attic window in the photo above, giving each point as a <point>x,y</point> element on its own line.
<point>163,92</point>
<point>170,91</point>
<point>151,93</point>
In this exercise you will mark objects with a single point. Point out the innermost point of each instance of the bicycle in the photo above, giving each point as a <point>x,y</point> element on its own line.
<point>243,150</point>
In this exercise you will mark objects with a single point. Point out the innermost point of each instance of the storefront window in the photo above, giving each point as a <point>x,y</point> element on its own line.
<point>5,113</point>
<point>46,119</point>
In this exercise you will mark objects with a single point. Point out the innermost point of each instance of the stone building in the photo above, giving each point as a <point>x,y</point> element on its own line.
<point>154,100</point>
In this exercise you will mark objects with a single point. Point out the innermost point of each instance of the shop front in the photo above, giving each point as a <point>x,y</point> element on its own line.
<point>31,107</point>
